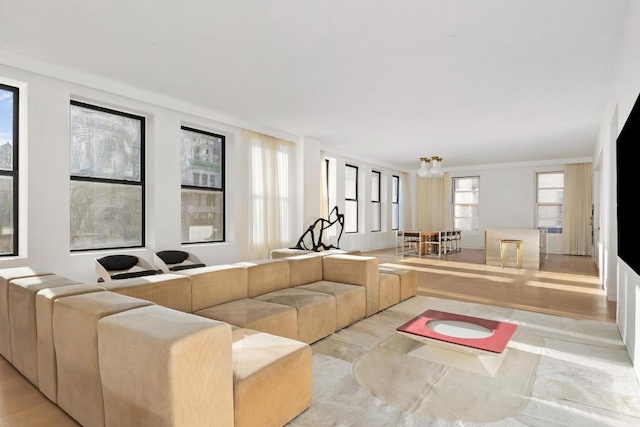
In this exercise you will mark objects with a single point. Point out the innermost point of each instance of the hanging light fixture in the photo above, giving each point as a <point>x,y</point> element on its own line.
<point>436,167</point>
<point>430,167</point>
<point>423,172</point>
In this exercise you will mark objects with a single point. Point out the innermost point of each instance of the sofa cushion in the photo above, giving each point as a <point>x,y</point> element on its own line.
<point>169,290</point>
<point>389,290</point>
<point>351,300</point>
<point>7,275</point>
<point>316,311</point>
<point>264,276</point>
<point>304,269</point>
<point>22,314</point>
<point>276,319</point>
<point>271,378</point>
<point>161,367</point>
<point>216,285</point>
<point>47,371</point>
<point>132,274</point>
<point>186,266</point>
<point>354,270</point>
<point>408,280</point>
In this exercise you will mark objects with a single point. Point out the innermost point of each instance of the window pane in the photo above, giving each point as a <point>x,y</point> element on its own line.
<point>375,217</point>
<point>6,215</point>
<point>466,184</point>
<point>375,187</point>
<point>201,157</point>
<point>395,216</point>
<point>465,211</point>
<point>202,216</point>
<point>350,216</point>
<point>105,145</point>
<point>350,182</point>
<point>553,211</point>
<point>105,215</point>
<point>466,197</point>
<point>6,130</point>
<point>465,223</point>
<point>551,180</point>
<point>395,189</point>
<point>550,196</point>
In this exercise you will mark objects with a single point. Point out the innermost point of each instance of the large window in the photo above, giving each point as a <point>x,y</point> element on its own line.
<point>8,170</point>
<point>550,196</point>
<point>202,186</point>
<point>466,198</point>
<point>376,209</point>
<point>395,203</point>
<point>107,178</point>
<point>351,199</point>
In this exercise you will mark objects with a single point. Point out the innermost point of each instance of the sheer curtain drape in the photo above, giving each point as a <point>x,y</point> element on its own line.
<point>266,220</point>
<point>576,213</point>
<point>405,202</point>
<point>433,209</point>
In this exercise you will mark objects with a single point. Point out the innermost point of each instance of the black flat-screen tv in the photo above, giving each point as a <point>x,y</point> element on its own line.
<point>628,177</point>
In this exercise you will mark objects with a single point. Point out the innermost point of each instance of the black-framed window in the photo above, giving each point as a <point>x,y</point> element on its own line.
<point>107,178</point>
<point>351,199</point>
<point>376,211</point>
<point>549,201</point>
<point>203,217</point>
<point>395,202</point>
<point>9,100</point>
<point>466,200</point>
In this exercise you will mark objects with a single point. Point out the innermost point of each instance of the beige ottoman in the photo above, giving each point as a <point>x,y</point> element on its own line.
<point>408,281</point>
<point>161,367</point>
<point>22,316</point>
<point>271,379</point>
<point>7,275</point>
<point>47,370</point>
<point>287,252</point>
<point>389,290</point>
<point>351,300</point>
<point>262,316</point>
<point>168,290</point>
<point>75,335</point>
<point>316,311</point>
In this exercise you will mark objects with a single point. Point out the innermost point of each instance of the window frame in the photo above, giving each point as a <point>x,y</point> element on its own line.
<point>353,200</point>
<point>211,189</point>
<point>454,204</point>
<point>140,183</point>
<point>395,202</point>
<point>376,204</point>
<point>550,230</point>
<point>14,172</point>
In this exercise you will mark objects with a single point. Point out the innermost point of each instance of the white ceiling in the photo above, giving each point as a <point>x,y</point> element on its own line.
<point>475,81</point>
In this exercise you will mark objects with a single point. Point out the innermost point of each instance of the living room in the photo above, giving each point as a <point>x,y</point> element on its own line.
<point>48,84</point>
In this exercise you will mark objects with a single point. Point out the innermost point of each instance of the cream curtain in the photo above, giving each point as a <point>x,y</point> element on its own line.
<point>266,216</point>
<point>576,214</point>
<point>405,202</point>
<point>324,190</point>
<point>433,209</point>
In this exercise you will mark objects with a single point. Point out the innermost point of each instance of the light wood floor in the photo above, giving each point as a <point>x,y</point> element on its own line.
<point>565,286</point>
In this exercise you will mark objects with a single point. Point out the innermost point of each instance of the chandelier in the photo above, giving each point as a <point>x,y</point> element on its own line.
<point>430,167</point>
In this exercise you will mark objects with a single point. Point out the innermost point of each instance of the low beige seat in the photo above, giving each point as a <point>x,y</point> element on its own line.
<point>287,252</point>
<point>169,290</point>
<point>250,313</point>
<point>7,275</point>
<point>161,367</point>
<point>316,311</point>
<point>408,280</point>
<point>75,335</point>
<point>271,378</point>
<point>389,290</point>
<point>351,300</point>
<point>355,270</point>
<point>47,369</point>
<point>22,315</point>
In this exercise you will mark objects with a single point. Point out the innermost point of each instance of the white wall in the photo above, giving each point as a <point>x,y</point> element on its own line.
<point>44,219</point>
<point>620,99</point>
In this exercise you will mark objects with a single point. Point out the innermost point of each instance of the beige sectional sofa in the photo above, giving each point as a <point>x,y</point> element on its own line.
<point>224,345</point>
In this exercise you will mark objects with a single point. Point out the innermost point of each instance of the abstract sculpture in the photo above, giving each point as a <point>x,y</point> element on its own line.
<point>308,239</point>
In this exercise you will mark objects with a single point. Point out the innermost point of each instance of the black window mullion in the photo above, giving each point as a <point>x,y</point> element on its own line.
<point>13,173</point>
